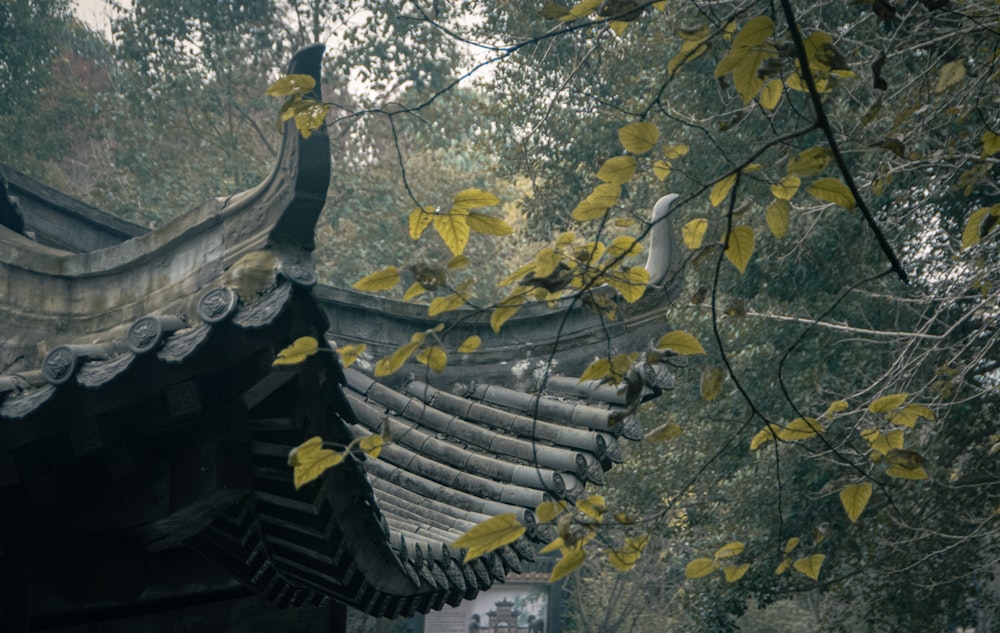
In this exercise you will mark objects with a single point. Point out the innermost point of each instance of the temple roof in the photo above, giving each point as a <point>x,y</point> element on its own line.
<point>138,401</point>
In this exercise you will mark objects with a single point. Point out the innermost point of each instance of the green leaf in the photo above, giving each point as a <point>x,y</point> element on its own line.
<point>301,349</point>
<point>889,403</point>
<point>680,342</point>
<point>473,199</point>
<point>664,433</point>
<point>809,162</point>
<point>291,85</point>
<point>309,460</point>
<point>453,227</point>
<point>721,189</point>
<point>694,232</point>
<point>489,535</point>
<point>383,279</point>
<point>571,561</point>
<point>832,190</point>
<point>639,137</point>
<point>434,357</point>
<point>740,247</point>
<point>470,344</point>
<point>617,170</point>
<point>855,499</point>
<point>699,568</point>
<point>810,566</point>
<point>735,572</point>
<point>777,218</point>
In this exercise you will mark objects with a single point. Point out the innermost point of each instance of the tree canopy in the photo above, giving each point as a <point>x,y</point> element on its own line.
<point>832,443</point>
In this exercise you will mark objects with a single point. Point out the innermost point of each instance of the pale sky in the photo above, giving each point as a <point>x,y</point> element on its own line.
<point>96,13</point>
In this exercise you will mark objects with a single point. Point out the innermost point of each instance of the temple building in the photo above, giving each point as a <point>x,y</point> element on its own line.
<point>145,434</point>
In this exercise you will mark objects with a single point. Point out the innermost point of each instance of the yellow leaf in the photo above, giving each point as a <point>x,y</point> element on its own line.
<point>800,429</point>
<point>453,227</point>
<point>445,304</point>
<point>301,349</point>
<point>699,568</point>
<point>623,559</point>
<point>621,363</point>
<point>393,363</point>
<point>712,378</point>
<point>721,189</point>
<point>291,85</point>
<point>381,280</point>
<point>473,199</point>
<point>783,567</point>
<point>420,219</point>
<point>791,544</point>
<point>763,436</point>
<point>746,78</point>
<point>414,291</point>
<point>618,27</point>
<point>810,565</point>
<point>991,144</point>
<point>690,50</point>
<point>582,9</point>
<point>661,169</point>
<point>834,408</point>
<point>309,460</point>
<point>672,152</point>
<point>664,432</point>
<point>617,170</point>
<point>593,506</point>
<point>596,370</point>
<point>597,203</point>
<point>855,499</point>
<point>832,190</point>
<point>971,234</point>
<point>470,344</point>
<point>434,357</point>
<point>489,535</point>
<point>350,353</point>
<point>571,561</point>
<point>739,249</point>
<point>680,342</point>
<point>910,414</point>
<point>623,246</point>
<point>734,548</point>
<point>488,225</point>
<point>371,445</point>
<point>632,285</point>
<point>694,232</point>
<point>754,32</point>
<point>809,162</point>
<point>558,543</point>
<point>548,510</point>
<point>786,187</point>
<point>952,74</point>
<point>770,96</point>
<point>887,404</point>
<point>901,472</point>
<point>735,572</point>
<point>882,443</point>
<point>639,137</point>
<point>506,308</point>
<point>777,218</point>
